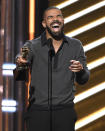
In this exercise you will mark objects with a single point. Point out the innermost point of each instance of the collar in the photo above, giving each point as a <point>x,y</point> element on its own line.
<point>44,39</point>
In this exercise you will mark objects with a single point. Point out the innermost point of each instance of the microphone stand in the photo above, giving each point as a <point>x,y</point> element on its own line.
<point>50,87</point>
<point>50,55</point>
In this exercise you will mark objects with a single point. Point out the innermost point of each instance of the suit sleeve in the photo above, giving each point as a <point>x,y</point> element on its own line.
<point>82,76</point>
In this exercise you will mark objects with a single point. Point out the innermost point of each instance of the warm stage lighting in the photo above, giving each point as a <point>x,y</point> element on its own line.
<point>89,92</point>
<point>31,19</point>
<point>86,27</point>
<point>8,109</point>
<point>84,12</point>
<point>8,103</point>
<point>90,118</point>
<point>7,72</point>
<point>96,63</point>
<point>7,69</point>
<point>66,3</point>
<point>94,44</point>
<point>8,66</point>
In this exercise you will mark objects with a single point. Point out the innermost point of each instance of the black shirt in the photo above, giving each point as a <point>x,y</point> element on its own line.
<point>63,79</point>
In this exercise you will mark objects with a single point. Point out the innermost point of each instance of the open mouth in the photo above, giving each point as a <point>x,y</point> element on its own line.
<point>55,26</point>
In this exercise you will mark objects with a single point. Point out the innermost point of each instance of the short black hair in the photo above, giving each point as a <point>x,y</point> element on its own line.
<point>49,8</point>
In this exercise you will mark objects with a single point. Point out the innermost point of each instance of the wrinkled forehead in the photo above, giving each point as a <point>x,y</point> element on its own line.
<point>52,12</point>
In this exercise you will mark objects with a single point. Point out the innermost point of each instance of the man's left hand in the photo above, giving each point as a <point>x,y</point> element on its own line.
<point>75,66</point>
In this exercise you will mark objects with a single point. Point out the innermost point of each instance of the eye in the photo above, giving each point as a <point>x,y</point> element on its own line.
<point>49,17</point>
<point>59,16</point>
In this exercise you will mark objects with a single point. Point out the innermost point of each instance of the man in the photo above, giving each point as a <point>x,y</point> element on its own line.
<point>68,67</point>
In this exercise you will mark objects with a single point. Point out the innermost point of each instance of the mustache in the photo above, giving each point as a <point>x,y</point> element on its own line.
<point>55,22</point>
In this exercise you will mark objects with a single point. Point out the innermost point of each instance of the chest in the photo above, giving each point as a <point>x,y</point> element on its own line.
<point>60,60</point>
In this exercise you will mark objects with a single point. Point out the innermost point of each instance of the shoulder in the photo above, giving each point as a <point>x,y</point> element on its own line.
<point>74,44</point>
<point>73,41</point>
<point>36,41</point>
<point>33,43</point>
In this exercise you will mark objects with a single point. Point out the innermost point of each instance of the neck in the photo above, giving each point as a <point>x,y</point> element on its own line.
<point>56,43</point>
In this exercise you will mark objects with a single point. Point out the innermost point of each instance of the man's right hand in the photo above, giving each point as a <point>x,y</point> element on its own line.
<point>20,60</point>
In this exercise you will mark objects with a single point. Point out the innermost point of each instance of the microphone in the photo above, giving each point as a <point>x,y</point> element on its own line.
<point>51,48</point>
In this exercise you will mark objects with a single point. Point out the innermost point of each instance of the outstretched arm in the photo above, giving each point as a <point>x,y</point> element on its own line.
<point>80,69</point>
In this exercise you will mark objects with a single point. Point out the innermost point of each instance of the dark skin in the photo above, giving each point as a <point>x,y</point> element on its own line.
<point>49,18</point>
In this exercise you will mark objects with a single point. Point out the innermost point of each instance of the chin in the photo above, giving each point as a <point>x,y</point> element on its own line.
<point>55,34</point>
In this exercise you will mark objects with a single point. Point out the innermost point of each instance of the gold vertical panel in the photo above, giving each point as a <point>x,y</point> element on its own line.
<point>31,19</point>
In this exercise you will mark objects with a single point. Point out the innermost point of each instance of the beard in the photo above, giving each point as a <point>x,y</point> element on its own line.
<point>56,35</point>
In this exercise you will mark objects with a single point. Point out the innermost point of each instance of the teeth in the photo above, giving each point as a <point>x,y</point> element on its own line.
<point>55,26</point>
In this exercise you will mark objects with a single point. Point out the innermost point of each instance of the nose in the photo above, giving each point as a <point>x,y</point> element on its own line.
<point>55,18</point>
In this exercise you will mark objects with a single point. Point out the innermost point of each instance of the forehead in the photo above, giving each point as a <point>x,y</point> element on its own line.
<point>52,12</point>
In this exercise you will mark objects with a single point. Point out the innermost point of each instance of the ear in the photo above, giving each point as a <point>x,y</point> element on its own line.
<point>44,24</point>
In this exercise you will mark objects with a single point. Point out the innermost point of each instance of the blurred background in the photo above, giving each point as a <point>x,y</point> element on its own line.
<point>20,20</point>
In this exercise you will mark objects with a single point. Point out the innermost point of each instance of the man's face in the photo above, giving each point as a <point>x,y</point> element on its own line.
<point>53,22</point>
